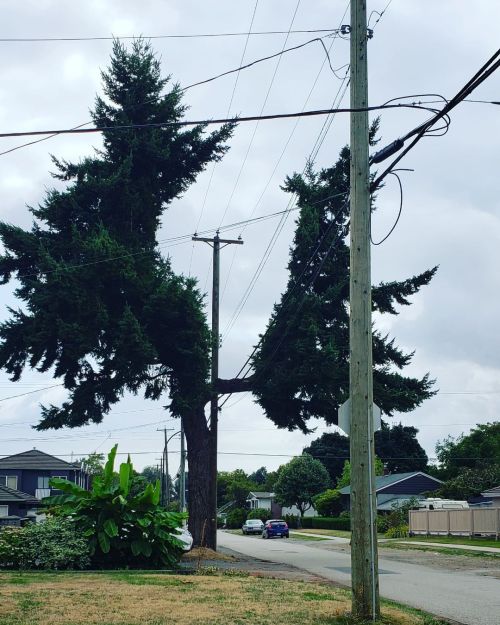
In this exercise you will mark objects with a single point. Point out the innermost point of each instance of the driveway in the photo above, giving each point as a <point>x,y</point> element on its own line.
<point>466,596</point>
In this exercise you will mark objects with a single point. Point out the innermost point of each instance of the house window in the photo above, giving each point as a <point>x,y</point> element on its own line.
<point>43,481</point>
<point>4,511</point>
<point>9,480</point>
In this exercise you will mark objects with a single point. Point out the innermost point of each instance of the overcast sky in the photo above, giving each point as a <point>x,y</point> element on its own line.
<point>451,201</point>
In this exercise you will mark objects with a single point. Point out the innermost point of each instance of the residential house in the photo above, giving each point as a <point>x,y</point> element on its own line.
<point>493,494</point>
<point>15,505</point>
<point>397,488</point>
<point>28,475</point>
<point>265,500</point>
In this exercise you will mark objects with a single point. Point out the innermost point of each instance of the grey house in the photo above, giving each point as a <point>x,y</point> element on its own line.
<point>493,494</point>
<point>397,488</point>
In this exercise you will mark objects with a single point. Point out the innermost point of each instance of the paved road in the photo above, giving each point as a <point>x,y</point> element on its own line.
<point>468,597</point>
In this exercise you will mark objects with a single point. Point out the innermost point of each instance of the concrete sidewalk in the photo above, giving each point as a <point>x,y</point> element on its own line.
<point>337,539</point>
<point>446,545</point>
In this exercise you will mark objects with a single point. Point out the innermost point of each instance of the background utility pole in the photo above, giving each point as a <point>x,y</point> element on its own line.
<point>364,558</point>
<point>182,474</point>
<point>165,497</point>
<point>216,244</point>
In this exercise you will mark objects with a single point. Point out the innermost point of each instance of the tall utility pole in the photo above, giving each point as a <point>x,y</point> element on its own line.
<point>216,244</point>
<point>165,496</point>
<point>182,474</point>
<point>364,557</point>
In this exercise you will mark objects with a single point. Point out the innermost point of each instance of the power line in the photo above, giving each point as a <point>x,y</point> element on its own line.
<point>206,122</point>
<point>168,36</point>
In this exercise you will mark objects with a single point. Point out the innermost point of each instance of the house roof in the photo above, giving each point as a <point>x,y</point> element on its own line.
<point>492,492</point>
<point>260,495</point>
<point>37,460</point>
<point>10,495</point>
<point>383,481</point>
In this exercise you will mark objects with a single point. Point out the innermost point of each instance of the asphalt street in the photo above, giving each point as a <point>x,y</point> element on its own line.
<point>469,597</point>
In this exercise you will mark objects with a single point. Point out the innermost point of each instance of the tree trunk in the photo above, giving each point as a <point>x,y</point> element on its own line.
<point>199,441</point>
<point>202,524</point>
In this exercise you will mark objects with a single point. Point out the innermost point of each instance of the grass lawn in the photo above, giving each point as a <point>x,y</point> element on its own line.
<point>137,598</point>
<point>339,533</point>
<point>449,551</point>
<point>477,541</point>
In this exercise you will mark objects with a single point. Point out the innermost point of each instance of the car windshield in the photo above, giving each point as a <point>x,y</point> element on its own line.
<point>278,523</point>
<point>254,522</point>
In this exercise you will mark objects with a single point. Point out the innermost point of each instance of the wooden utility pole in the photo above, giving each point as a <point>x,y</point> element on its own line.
<point>182,474</point>
<point>216,244</point>
<point>165,477</point>
<point>364,558</point>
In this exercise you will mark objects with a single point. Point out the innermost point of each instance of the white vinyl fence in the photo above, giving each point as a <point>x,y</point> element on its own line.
<point>484,521</point>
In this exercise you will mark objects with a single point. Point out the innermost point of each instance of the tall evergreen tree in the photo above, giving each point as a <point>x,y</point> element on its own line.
<point>301,366</point>
<point>103,309</point>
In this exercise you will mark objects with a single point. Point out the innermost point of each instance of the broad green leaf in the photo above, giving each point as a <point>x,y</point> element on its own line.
<point>111,528</point>
<point>108,469</point>
<point>125,474</point>
<point>104,543</point>
<point>136,547</point>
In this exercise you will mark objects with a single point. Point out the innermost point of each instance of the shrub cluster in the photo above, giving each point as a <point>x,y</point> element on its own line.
<point>54,544</point>
<point>327,523</point>
<point>259,513</point>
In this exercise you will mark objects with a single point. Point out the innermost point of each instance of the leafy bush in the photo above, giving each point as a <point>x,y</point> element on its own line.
<point>52,544</point>
<point>326,523</point>
<point>328,503</point>
<point>236,518</point>
<point>259,513</point>
<point>122,530</point>
<point>398,531</point>
<point>292,520</point>
<point>400,513</point>
<point>11,542</point>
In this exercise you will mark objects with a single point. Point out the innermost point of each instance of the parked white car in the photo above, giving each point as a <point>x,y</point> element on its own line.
<point>184,535</point>
<point>252,526</point>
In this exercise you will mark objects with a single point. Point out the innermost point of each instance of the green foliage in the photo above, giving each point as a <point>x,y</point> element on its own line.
<point>93,464</point>
<point>328,503</point>
<point>398,531</point>
<point>327,523</point>
<point>122,529</point>
<point>399,515</point>
<point>260,513</point>
<point>128,325</point>
<point>236,518</point>
<point>234,486</point>
<point>259,477</point>
<point>345,478</point>
<point>302,363</point>
<point>299,481</point>
<point>53,544</point>
<point>399,450</point>
<point>11,547</point>
<point>332,450</point>
<point>293,520</point>
<point>396,446</point>
<point>470,483</point>
<point>479,449</point>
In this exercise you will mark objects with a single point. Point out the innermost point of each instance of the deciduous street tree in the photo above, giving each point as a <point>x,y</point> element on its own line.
<point>299,481</point>
<point>477,450</point>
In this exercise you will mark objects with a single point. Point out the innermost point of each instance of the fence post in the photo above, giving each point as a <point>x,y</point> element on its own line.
<point>448,525</point>
<point>471,523</point>
<point>427,522</point>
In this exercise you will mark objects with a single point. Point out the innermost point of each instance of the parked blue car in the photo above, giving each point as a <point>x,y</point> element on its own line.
<point>275,527</point>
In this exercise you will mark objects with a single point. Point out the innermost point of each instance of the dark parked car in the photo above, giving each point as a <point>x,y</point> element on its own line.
<point>275,527</point>
<point>252,526</point>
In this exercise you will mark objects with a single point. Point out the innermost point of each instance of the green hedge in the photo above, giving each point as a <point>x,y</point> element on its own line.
<point>326,523</point>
